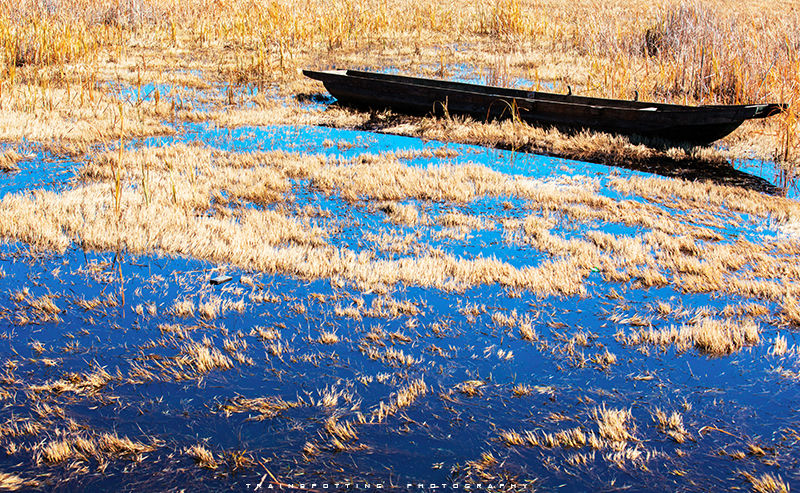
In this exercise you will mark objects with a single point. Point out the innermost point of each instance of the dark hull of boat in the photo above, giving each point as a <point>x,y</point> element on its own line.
<point>693,124</point>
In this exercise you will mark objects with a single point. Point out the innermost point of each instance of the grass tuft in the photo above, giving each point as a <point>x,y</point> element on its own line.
<point>766,483</point>
<point>203,457</point>
<point>614,424</point>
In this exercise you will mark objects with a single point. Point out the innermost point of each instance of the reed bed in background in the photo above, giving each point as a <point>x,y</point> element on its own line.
<point>683,51</point>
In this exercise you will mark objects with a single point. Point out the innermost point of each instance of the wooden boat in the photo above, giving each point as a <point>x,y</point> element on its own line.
<point>692,124</point>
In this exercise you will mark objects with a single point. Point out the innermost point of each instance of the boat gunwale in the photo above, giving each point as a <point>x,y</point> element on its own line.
<point>759,110</point>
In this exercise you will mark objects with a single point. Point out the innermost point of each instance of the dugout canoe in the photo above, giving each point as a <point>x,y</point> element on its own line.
<point>693,124</point>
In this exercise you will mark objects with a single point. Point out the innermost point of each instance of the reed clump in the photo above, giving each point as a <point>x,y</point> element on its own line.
<point>342,431</point>
<point>524,323</point>
<point>571,438</point>
<point>76,383</point>
<point>203,357</point>
<point>102,447</point>
<point>12,482</point>
<point>405,397</point>
<point>707,335</point>
<point>765,483</point>
<point>521,390</point>
<point>615,425</point>
<point>9,160</point>
<point>470,388</point>
<point>671,425</point>
<point>328,337</point>
<point>267,407</point>
<point>780,347</point>
<point>203,457</point>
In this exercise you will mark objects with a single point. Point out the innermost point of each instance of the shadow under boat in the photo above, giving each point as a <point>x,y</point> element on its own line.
<point>689,169</point>
<point>656,125</point>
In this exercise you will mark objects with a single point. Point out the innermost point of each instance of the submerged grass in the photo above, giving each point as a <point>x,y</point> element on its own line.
<point>329,419</point>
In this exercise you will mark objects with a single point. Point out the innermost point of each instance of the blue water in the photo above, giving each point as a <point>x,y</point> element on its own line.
<point>738,393</point>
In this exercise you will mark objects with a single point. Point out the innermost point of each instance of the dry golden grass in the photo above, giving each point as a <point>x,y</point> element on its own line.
<point>12,482</point>
<point>266,334</point>
<point>386,178</point>
<point>766,483</point>
<point>521,389</point>
<point>122,446</point>
<point>681,51</point>
<point>41,106</point>
<point>183,308</point>
<point>512,438</point>
<point>735,455</point>
<point>267,407</point>
<point>708,196</point>
<point>392,357</point>
<point>707,335</point>
<point>605,359</point>
<point>101,447</point>
<point>56,451</point>
<point>780,347</point>
<point>579,459</point>
<point>714,337</point>
<point>407,214</point>
<point>615,425</point>
<point>203,457</point>
<point>329,397</point>
<point>671,425</point>
<point>35,310</point>
<point>400,337</point>
<point>341,431</point>
<point>328,337</point>
<point>140,375</point>
<point>166,219</point>
<point>21,427</point>
<point>195,205</point>
<point>389,307</point>
<point>624,455</point>
<point>310,450</point>
<point>791,310</point>
<point>77,383</point>
<point>9,160</point>
<point>481,469</point>
<point>203,357</point>
<point>571,438</point>
<point>524,323</point>
<point>470,388</point>
<point>404,398</point>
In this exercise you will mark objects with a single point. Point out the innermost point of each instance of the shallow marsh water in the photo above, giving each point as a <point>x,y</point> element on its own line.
<point>267,412</point>
<point>742,398</point>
